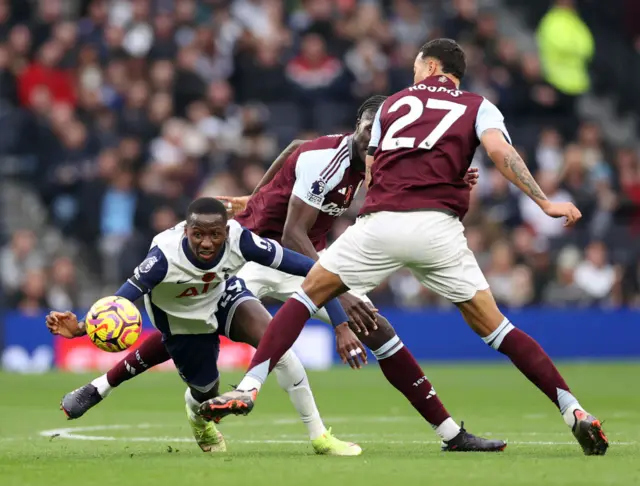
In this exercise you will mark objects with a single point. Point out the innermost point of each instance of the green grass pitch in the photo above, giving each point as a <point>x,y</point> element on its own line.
<point>141,437</point>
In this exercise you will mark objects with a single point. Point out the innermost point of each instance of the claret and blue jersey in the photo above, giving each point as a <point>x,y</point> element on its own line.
<point>186,296</point>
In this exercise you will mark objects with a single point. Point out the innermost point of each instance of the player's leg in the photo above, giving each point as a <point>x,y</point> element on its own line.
<point>195,357</point>
<point>395,360</point>
<point>402,371</point>
<point>356,259</point>
<point>484,317</point>
<point>150,353</point>
<point>447,266</point>
<point>249,323</point>
<point>319,287</point>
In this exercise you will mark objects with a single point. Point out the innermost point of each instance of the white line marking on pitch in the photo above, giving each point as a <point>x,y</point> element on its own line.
<point>75,433</point>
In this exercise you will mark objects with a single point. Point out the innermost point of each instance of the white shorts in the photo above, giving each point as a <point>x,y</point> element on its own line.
<point>429,243</point>
<point>269,282</point>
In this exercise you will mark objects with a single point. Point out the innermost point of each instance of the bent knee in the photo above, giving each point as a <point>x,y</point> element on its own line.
<point>482,313</point>
<point>321,285</point>
<point>378,338</point>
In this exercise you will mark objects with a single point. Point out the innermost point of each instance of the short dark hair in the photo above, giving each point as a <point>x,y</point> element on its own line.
<point>370,105</point>
<point>449,53</point>
<point>207,205</point>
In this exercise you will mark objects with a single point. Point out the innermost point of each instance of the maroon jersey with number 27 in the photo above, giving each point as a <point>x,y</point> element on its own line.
<point>425,138</point>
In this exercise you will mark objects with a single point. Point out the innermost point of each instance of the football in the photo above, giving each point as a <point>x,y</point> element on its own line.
<point>113,324</point>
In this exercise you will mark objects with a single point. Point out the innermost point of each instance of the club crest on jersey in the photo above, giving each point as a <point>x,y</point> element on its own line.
<point>316,192</point>
<point>146,265</point>
<point>442,79</point>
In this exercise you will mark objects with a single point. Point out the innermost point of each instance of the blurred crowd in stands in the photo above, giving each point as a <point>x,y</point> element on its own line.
<point>121,111</point>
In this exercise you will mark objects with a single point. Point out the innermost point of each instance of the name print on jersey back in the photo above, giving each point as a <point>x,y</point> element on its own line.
<point>428,135</point>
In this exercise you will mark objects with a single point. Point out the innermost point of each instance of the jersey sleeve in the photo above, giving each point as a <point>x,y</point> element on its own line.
<point>317,173</point>
<point>264,251</point>
<point>269,253</point>
<point>489,116</point>
<point>149,273</point>
<point>376,132</point>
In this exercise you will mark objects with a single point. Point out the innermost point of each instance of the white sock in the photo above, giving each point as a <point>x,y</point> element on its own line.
<point>292,378</point>
<point>193,406</point>
<point>448,429</point>
<point>568,404</point>
<point>249,383</point>
<point>103,386</point>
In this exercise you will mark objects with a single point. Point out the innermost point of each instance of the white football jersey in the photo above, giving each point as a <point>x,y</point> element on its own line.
<point>183,295</point>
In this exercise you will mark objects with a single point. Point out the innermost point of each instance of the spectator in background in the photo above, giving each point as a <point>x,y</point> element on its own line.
<point>188,85</point>
<point>511,285</point>
<point>45,71</point>
<point>566,47</point>
<point>594,275</point>
<point>8,84</point>
<point>31,297</point>
<point>263,75</point>
<point>368,66</point>
<point>628,171</point>
<point>408,24</point>
<point>563,291</point>
<point>62,291</point>
<point>18,258</point>
<point>164,43</point>
<point>313,71</point>
<point>549,151</point>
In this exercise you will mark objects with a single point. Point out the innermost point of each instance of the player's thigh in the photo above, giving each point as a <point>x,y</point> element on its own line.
<point>443,262</point>
<point>283,285</point>
<point>250,322</point>
<point>234,296</point>
<point>360,256</point>
<point>196,358</point>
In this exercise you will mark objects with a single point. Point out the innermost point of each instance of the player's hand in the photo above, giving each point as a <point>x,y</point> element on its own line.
<point>562,210</point>
<point>234,205</point>
<point>64,324</point>
<point>472,176</point>
<point>361,315</point>
<point>349,347</point>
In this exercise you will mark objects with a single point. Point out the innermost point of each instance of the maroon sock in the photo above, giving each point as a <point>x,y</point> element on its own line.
<point>534,363</point>
<point>404,373</point>
<point>282,332</point>
<point>150,353</point>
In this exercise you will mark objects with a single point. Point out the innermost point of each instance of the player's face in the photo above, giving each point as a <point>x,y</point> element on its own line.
<point>362,134</point>
<point>206,234</point>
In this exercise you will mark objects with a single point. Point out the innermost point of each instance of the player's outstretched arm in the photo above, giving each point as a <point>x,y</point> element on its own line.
<point>511,165</point>
<point>64,324</point>
<point>146,276</point>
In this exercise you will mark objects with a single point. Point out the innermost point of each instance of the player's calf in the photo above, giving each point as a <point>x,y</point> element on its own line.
<point>484,317</point>
<point>403,372</point>
<point>149,354</point>
<point>207,436</point>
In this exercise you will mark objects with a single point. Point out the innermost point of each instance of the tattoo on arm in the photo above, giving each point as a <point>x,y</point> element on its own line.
<point>514,162</point>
